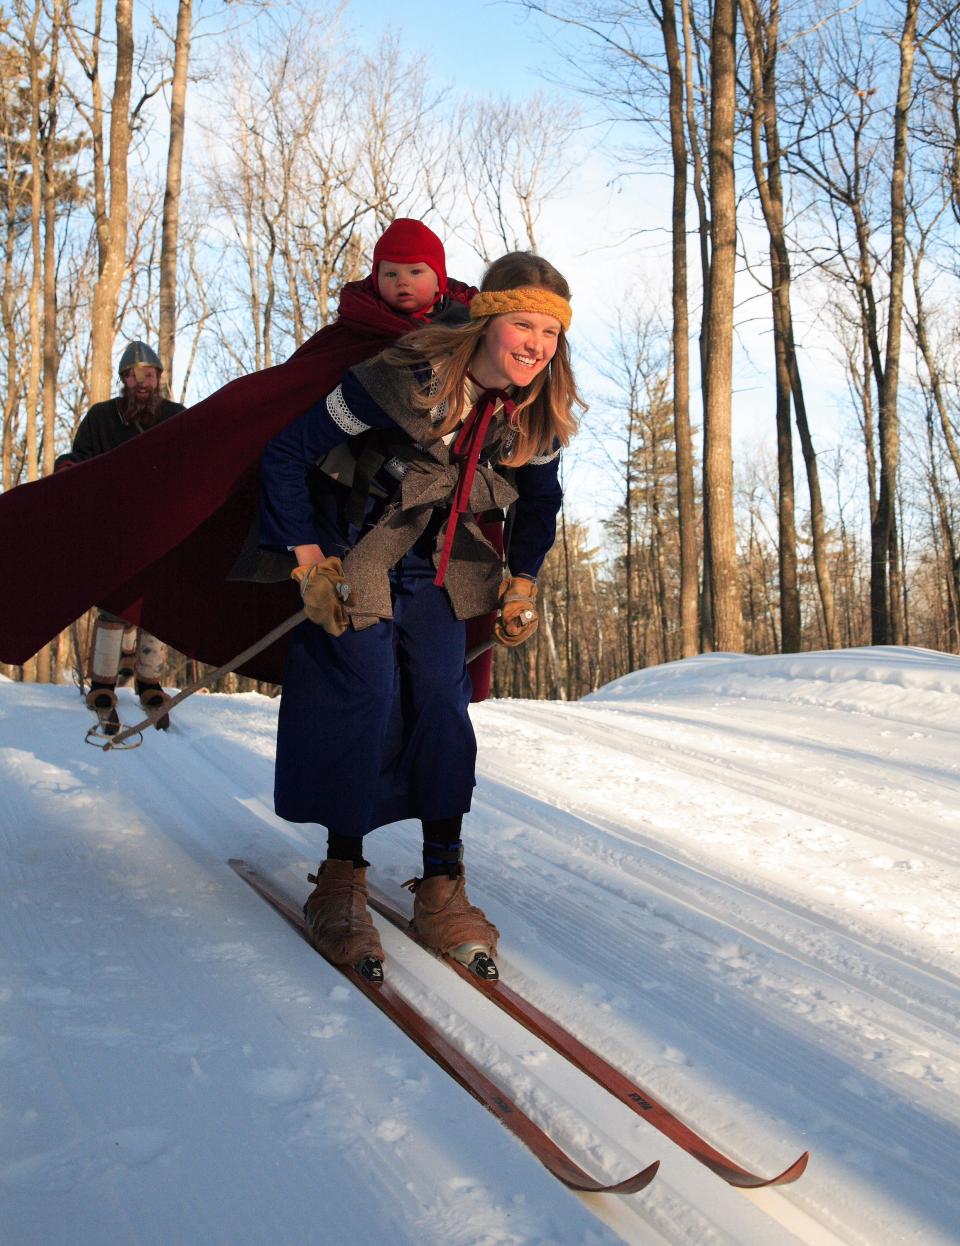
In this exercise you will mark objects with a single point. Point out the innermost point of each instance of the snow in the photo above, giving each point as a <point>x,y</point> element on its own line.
<point>737,877</point>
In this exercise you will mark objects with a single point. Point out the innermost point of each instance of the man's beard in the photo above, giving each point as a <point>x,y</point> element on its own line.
<point>145,412</point>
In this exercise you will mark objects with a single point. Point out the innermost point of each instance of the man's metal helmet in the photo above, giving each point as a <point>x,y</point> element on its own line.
<point>138,353</point>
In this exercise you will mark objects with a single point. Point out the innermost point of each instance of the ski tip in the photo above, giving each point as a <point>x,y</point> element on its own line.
<point>639,1181</point>
<point>574,1178</point>
<point>796,1169</point>
<point>744,1180</point>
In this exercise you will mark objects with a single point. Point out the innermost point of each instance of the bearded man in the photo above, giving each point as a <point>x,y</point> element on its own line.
<point>117,647</point>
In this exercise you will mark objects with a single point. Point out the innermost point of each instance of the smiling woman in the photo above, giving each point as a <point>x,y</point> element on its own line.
<point>515,348</point>
<point>373,722</point>
<point>517,340</point>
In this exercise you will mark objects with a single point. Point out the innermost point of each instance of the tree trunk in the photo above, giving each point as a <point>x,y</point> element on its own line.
<point>568,657</point>
<point>628,555</point>
<point>718,452</point>
<point>36,251</point>
<point>786,508</point>
<point>556,684</point>
<point>171,199</point>
<point>885,618</point>
<point>691,58</point>
<point>683,438</point>
<point>51,351</point>
<point>112,220</point>
<point>38,668</point>
<point>949,555</point>
<point>933,365</point>
<point>762,42</point>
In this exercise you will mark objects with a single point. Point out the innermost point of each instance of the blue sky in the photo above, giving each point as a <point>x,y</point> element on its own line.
<point>480,44</point>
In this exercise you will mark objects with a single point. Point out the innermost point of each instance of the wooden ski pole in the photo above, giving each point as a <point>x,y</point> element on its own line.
<point>267,640</point>
<point>182,695</point>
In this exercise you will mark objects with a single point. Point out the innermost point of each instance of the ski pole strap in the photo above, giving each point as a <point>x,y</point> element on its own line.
<point>264,643</point>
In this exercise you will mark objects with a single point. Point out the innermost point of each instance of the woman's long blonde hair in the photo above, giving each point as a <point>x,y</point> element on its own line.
<point>544,407</point>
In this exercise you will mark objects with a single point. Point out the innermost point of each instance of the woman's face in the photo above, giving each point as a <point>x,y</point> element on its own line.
<point>514,348</point>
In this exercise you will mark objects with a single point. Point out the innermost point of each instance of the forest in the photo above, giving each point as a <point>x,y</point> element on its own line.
<point>208,177</point>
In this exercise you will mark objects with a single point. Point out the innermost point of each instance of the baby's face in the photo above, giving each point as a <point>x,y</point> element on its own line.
<point>407,287</point>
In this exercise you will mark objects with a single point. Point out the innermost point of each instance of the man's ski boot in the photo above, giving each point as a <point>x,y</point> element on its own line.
<point>445,920</point>
<point>102,699</point>
<point>339,925</point>
<point>152,697</point>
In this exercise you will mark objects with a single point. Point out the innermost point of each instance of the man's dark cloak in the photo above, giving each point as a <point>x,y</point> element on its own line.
<point>151,530</point>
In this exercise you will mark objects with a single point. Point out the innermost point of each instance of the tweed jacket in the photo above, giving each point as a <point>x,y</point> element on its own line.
<point>376,396</point>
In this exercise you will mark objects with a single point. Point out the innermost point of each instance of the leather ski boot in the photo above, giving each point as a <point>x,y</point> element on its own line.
<point>152,697</point>
<point>102,699</point>
<point>445,920</point>
<point>339,925</point>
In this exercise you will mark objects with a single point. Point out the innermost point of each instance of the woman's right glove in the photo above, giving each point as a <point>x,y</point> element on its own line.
<point>517,617</point>
<point>325,593</point>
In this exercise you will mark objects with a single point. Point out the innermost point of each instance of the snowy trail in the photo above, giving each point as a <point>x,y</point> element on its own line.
<point>828,789</point>
<point>736,877</point>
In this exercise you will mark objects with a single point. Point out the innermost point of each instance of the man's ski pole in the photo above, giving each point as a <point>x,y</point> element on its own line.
<point>182,695</point>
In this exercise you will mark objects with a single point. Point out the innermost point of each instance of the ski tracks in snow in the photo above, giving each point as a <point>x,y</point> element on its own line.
<point>743,890</point>
<point>775,993</point>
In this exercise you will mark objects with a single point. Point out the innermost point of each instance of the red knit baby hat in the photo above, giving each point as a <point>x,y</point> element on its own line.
<point>407,241</point>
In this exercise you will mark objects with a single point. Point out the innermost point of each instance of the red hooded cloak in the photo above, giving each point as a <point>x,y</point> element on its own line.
<point>150,530</point>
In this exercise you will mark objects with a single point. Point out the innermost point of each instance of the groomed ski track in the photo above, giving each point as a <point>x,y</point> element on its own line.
<point>736,878</point>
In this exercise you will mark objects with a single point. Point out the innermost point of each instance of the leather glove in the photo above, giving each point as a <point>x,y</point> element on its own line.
<point>517,618</point>
<point>325,593</point>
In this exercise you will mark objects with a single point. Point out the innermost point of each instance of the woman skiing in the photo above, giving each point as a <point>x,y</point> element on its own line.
<point>377,490</point>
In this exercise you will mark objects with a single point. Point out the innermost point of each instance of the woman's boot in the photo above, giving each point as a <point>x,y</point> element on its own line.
<point>338,922</point>
<point>445,920</point>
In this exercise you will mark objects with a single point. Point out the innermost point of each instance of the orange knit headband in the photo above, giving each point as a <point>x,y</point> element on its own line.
<point>521,299</point>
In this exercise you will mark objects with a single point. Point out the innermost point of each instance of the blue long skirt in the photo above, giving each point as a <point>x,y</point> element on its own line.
<point>374,725</point>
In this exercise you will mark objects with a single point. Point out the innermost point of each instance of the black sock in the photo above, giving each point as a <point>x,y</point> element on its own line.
<point>443,830</point>
<point>346,848</point>
<point>442,849</point>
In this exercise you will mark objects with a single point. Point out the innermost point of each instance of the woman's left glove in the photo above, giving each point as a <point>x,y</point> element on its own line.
<point>517,617</point>
<point>325,593</point>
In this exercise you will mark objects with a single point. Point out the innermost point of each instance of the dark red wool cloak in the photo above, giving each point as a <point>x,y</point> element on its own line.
<point>150,530</point>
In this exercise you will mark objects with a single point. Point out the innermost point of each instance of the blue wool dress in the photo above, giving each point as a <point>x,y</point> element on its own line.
<point>374,724</point>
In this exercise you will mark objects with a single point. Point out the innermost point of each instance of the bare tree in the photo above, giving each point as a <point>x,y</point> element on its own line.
<point>689,576</point>
<point>110,159</point>
<point>14,206</point>
<point>644,525</point>
<point>30,23</point>
<point>53,186</point>
<point>762,31</point>
<point>315,167</point>
<point>720,531</point>
<point>39,667</point>
<point>509,162</point>
<point>171,198</point>
<point>887,627</point>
